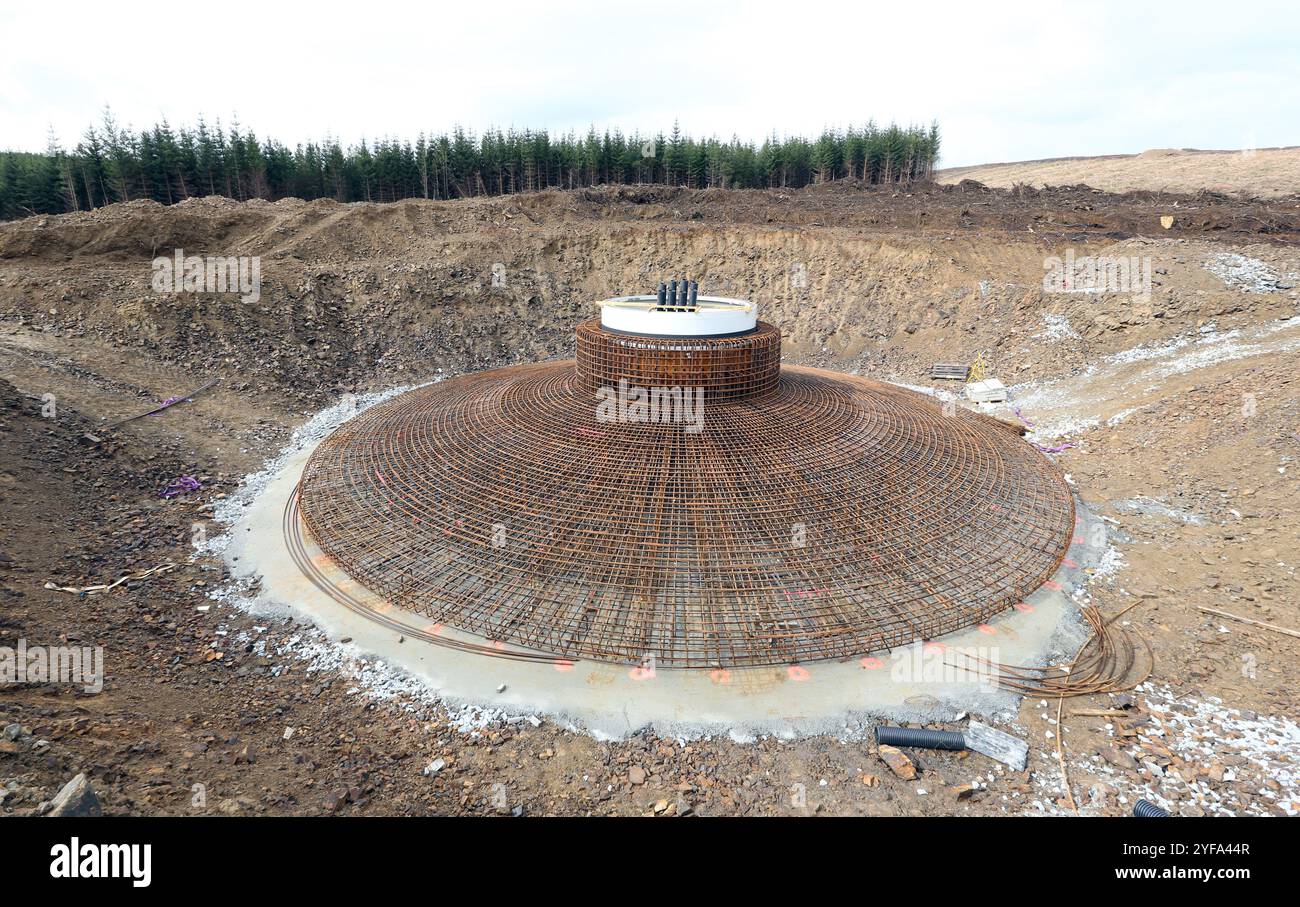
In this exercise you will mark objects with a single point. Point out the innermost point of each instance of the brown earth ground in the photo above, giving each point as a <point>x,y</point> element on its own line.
<point>194,716</point>
<point>1257,173</point>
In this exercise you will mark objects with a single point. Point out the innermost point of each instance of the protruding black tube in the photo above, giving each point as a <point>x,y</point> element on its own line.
<point>663,294</point>
<point>920,737</point>
<point>1145,809</point>
<point>695,288</point>
<point>672,292</point>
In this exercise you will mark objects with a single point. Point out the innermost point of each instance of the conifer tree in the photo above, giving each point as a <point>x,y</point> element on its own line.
<point>112,164</point>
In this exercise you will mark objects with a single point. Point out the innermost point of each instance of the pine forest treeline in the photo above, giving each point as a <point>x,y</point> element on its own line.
<point>113,164</point>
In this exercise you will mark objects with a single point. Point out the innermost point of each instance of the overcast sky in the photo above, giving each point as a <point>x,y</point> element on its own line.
<point>1006,81</point>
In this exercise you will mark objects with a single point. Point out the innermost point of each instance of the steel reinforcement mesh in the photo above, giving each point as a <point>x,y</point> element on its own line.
<point>832,517</point>
<point>725,367</point>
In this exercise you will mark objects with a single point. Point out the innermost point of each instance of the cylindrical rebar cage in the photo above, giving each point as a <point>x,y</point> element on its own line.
<point>726,368</point>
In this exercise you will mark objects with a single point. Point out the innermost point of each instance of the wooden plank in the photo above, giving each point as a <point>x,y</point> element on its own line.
<point>997,745</point>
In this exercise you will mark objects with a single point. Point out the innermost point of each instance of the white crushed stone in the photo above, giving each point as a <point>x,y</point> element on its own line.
<point>1109,565</point>
<point>1156,507</point>
<point>1057,329</point>
<point>1067,427</point>
<point>1058,405</point>
<point>1249,275</point>
<point>372,677</point>
<point>928,391</point>
<point>1201,731</point>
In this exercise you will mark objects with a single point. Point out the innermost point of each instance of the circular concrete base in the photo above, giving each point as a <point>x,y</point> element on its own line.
<point>933,681</point>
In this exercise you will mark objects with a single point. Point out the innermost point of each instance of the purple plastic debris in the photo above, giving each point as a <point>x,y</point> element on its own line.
<point>170,401</point>
<point>1057,448</point>
<point>180,485</point>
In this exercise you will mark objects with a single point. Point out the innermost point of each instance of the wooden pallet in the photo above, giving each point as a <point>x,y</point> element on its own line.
<point>949,371</point>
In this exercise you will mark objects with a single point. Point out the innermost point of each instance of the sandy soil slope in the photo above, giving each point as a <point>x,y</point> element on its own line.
<point>1263,173</point>
<point>1182,408</point>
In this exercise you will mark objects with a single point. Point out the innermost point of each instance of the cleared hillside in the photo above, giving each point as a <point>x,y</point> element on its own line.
<point>1267,173</point>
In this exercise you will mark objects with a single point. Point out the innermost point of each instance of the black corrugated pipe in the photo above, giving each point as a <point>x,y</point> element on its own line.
<point>672,292</point>
<point>695,287</point>
<point>1145,809</point>
<point>921,737</point>
<point>663,294</point>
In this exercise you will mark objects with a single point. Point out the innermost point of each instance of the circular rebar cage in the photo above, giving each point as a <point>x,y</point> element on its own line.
<point>830,517</point>
<point>723,367</point>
